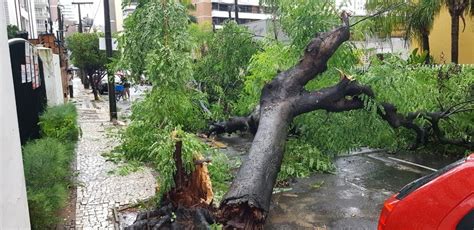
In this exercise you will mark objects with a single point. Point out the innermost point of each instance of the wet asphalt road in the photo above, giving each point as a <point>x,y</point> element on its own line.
<point>349,199</point>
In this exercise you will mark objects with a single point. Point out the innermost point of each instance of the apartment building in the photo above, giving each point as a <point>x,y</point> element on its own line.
<point>127,10</point>
<point>43,16</point>
<point>217,11</point>
<point>21,14</point>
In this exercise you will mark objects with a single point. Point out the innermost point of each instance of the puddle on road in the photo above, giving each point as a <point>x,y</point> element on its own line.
<point>349,199</point>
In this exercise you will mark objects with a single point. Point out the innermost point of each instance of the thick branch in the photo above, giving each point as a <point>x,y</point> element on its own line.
<point>314,61</point>
<point>340,97</point>
<point>318,52</point>
<point>396,120</point>
<point>444,140</point>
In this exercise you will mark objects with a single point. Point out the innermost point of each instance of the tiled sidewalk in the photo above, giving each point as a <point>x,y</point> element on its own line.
<point>100,191</point>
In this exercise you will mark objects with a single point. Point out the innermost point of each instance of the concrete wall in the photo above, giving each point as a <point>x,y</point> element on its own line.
<point>13,202</point>
<point>440,39</point>
<point>394,45</point>
<point>52,76</point>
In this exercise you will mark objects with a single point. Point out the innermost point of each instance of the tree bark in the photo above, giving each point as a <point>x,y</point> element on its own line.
<point>94,85</point>
<point>248,200</point>
<point>425,40</point>
<point>256,177</point>
<point>454,37</point>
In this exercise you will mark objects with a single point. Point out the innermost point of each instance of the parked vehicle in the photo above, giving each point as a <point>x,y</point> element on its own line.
<point>441,200</point>
<point>104,85</point>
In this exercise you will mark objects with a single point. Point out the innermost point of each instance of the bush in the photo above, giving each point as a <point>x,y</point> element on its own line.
<point>46,165</point>
<point>60,122</point>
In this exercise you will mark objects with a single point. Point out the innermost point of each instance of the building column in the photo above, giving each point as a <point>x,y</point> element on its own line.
<point>13,202</point>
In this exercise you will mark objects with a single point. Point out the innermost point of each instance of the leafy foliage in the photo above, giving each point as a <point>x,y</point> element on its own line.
<point>85,53</point>
<point>200,36</point>
<point>220,72</point>
<point>12,31</point>
<point>170,112</point>
<point>301,159</point>
<point>416,58</point>
<point>46,164</point>
<point>410,88</point>
<point>263,66</point>
<point>60,122</point>
<point>155,25</point>
<point>220,174</point>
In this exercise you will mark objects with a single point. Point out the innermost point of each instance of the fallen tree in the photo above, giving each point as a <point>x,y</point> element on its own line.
<point>247,202</point>
<point>170,105</point>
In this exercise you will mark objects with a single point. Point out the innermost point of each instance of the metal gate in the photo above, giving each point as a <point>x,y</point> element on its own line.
<point>30,93</point>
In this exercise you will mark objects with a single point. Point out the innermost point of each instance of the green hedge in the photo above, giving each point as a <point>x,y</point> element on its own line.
<point>46,164</point>
<point>60,122</point>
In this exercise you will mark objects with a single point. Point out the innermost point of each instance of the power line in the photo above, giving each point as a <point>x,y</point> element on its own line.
<point>95,15</point>
<point>79,10</point>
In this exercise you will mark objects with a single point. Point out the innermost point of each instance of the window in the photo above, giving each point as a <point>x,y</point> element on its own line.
<point>409,188</point>
<point>467,222</point>
<point>218,21</point>
<point>225,7</point>
<point>245,8</point>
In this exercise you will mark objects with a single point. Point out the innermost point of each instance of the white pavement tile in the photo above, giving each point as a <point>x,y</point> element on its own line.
<point>100,190</point>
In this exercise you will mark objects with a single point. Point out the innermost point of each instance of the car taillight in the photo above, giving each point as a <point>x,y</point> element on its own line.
<point>387,209</point>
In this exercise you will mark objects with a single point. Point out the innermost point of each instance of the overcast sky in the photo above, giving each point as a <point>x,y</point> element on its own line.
<point>97,12</point>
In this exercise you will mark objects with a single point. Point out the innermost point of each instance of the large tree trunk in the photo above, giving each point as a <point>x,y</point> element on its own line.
<point>454,37</point>
<point>248,200</point>
<point>254,182</point>
<point>94,83</point>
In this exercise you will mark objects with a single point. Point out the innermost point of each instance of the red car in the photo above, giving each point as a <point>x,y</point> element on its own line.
<point>441,200</point>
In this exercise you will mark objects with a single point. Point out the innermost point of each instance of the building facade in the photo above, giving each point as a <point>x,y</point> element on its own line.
<point>119,13</point>
<point>21,14</point>
<point>217,11</point>
<point>440,39</point>
<point>354,7</point>
<point>43,16</point>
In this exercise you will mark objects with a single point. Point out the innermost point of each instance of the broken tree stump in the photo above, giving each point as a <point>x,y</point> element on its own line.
<point>187,204</point>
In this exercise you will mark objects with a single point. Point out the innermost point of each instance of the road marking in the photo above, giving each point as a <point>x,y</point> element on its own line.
<point>411,163</point>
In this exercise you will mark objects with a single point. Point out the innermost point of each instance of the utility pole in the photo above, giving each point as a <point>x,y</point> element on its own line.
<point>59,35</point>
<point>108,52</point>
<point>79,11</point>
<point>60,24</point>
<point>236,5</point>
<point>50,20</point>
